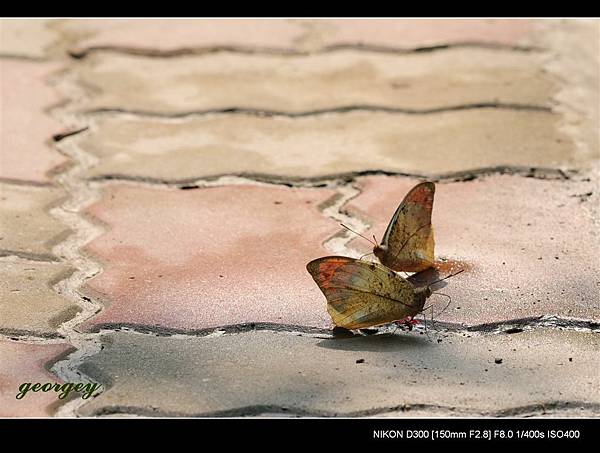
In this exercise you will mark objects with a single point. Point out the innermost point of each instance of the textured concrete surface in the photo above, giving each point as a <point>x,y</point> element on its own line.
<point>419,81</point>
<point>21,363</point>
<point>242,372</point>
<point>292,34</point>
<point>203,258</point>
<point>325,145</point>
<point>27,301</point>
<point>529,246</point>
<point>26,129</point>
<point>27,229</point>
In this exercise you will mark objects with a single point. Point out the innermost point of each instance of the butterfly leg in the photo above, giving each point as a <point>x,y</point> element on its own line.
<point>366,254</point>
<point>409,322</point>
<point>425,323</point>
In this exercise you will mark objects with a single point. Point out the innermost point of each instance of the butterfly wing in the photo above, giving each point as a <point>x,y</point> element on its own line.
<point>362,294</point>
<point>408,243</point>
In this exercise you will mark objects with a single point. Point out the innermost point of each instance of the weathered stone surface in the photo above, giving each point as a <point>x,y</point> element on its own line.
<point>25,38</point>
<point>23,362</point>
<point>244,372</point>
<point>528,246</point>
<point>420,81</point>
<point>410,33</point>
<point>27,228</point>
<point>303,35</point>
<point>575,61</point>
<point>325,145</point>
<point>27,301</point>
<point>26,127</point>
<point>207,257</point>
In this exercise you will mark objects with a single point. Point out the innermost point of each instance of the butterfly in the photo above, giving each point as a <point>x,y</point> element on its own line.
<point>408,243</point>
<point>362,294</point>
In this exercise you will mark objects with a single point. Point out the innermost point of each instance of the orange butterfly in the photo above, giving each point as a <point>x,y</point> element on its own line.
<point>408,243</point>
<point>362,294</point>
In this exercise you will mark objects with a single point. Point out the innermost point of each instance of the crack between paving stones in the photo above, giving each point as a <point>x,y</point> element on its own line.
<point>530,410</point>
<point>508,327</point>
<point>318,112</point>
<point>338,179</point>
<point>247,50</point>
<point>30,336</point>
<point>80,194</point>
<point>20,182</point>
<point>36,257</point>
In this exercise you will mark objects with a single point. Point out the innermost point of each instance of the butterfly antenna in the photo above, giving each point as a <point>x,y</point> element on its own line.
<point>358,234</point>
<point>445,278</point>
<point>376,241</point>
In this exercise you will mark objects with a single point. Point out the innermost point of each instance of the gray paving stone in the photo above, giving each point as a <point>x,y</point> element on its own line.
<point>239,373</point>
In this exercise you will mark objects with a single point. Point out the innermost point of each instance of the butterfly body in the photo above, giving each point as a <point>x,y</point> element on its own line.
<point>408,243</point>
<point>362,294</point>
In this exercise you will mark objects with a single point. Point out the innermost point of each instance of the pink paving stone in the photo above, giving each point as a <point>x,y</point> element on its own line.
<point>209,257</point>
<point>24,362</point>
<point>528,245</point>
<point>161,34</point>
<point>26,127</point>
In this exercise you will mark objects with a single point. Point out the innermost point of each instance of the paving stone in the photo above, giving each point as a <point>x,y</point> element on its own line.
<point>165,35</point>
<point>177,34</point>
<point>27,228</point>
<point>420,81</point>
<point>27,301</point>
<point>317,146</point>
<point>25,362</point>
<point>575,61</point>
<point>25,38</point>
<point>410,33</point>
<point>240,373</point>
<point>529,246</point>
<point>27,128</point>
<point>208,257</point>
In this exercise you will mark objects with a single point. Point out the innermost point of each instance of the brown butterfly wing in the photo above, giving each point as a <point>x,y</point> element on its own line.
<point>408,244</point>
<point>362,294</point>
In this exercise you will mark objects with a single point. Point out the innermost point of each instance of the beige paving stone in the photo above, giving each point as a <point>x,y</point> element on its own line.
<point>28,303</point>
<point>575,61</point>
<point>26,127</point>
<point>23,363</point>
<point>294,34</point>
<point>316,146</point>
<point>26,228</point>
<point>197,376</point>
<point>410,33</point>
<point>26,37</point>
<point>178,34</point>
<point>224,80</point>
<point>202,258</point>
<point>529,246</point>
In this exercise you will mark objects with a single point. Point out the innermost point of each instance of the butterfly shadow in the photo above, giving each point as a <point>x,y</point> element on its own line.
<point>385,342</point>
